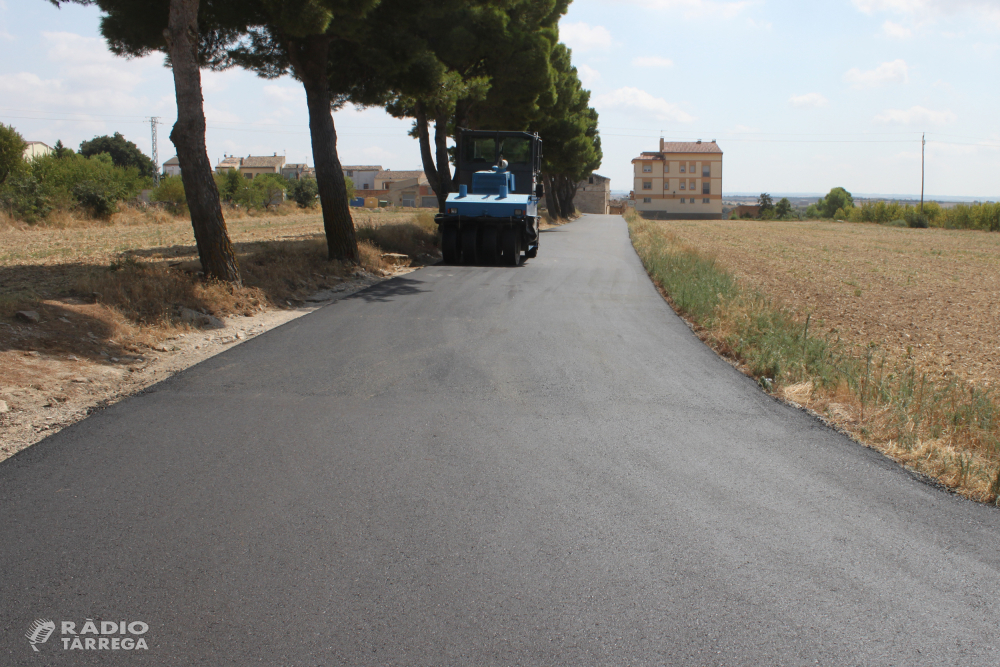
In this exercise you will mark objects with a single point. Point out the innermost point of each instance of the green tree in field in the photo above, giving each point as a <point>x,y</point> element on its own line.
<point>303,192</point>
<point>61,151</point>
<point>123,153</point>
<point>12,147</point>
<point>766,205</point>
<point>229,184</point>
<point>836,199</point>
<point>782,208</point>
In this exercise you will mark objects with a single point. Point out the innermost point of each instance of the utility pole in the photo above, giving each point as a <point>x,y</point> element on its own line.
<point>153,122</point>
<point>923,143</point>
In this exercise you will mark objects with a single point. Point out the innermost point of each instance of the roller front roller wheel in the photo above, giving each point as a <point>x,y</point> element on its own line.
<point>469,244</point>
<point>510,242</point>
<point>489,245</point>
<point>451,251</point>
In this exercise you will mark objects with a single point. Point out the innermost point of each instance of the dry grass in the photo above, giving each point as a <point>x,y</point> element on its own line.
<point>780,299</point>
<point>131,273</point>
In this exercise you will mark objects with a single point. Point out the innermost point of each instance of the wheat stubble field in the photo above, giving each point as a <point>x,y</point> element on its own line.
<point>930,294</point>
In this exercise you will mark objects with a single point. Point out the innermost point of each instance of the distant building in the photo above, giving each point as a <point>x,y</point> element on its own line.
<point>593,194</point>
<point>296,171</point>
<point>363,176</point>
<point>172,167</point>
<point>746,211</point>
<point>384,179</point>
<point>229,163</point>
<point>682,181</point>
<point>257,165</point>
<point>35,149</point>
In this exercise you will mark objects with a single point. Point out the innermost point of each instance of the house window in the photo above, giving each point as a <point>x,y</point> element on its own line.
<point>647,168</point>
<point>682,168</point>
<point>647,200</point>
<point>691,168</point>
<point>666,167</point>
<point>647,185</point>
<point>350,173</point>
<point>666,184</point>
<point>385,186</point>
<point>706,188</point>
<point>247,174</point>
<point>591,180</point>
<point>365,187</point>
<point>706,171</point>
<point>683,200</point>
<point>691,185</point>
<point>705,200</point>
<point>683,184</point>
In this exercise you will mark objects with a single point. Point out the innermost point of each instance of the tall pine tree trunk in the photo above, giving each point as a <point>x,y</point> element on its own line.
<point>441,154</point>
<point>427,158</point>
<point>218,259</point>
<point>567,195</point>
<point>551,201</point>
<point>309,60</point>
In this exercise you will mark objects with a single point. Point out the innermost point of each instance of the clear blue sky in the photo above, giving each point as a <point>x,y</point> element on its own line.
<point>801,96</point>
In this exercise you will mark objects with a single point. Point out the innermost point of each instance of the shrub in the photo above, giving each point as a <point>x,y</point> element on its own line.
<point>170,192</point>
<point>898,223</point>
<point>98,199</point>
<point>304,192</point>
<point>24,198</point>
<point>123,153</point>
<point>914,218</point>
<point>11,152</point>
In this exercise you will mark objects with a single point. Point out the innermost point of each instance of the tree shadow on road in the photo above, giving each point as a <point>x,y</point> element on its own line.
<point>389,290</point>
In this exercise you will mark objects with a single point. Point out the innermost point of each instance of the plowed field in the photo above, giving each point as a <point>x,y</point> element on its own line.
<point>930,294</point>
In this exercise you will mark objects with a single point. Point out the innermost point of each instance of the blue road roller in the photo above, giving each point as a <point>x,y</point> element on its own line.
<point>493,218</point>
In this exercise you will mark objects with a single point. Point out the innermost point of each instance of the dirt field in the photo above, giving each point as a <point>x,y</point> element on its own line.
<point>931,294</point>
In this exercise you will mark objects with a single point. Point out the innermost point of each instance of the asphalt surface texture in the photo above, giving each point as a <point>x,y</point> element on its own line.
<point>485,466</point>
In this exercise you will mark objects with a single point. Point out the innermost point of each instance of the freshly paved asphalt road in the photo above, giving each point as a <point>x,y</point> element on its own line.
<point>488,466</point>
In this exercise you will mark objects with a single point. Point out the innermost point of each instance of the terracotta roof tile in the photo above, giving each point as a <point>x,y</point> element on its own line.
<point>691,147</point>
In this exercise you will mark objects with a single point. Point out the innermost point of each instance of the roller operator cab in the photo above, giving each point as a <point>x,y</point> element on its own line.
<point>493,218</point>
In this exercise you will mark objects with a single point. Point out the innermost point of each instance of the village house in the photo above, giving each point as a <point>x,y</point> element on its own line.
<point>681,181</point>
<point>363,176</point>
<point>403,188</point>
<point>33,149</point>
<point>229,163</point>
<point>297,171</point>
<point>593,194</point>
<point>172,167</point>
<point>257,165</point>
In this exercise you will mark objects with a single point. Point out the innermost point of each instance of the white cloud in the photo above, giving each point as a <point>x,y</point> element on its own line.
<point>640,102</point>
<point>895,30</point>
<point>652,61</point>
<point>697,8</point>
<point>808,101</point>
<point>588,75</point>
<point>582,37</point>
<point>930,10</point>
<point>915,115</point>
<point>890,72</point>
<point>286,94</point>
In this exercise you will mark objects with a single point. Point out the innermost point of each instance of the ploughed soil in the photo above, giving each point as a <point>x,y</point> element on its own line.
<point>929,295</point>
